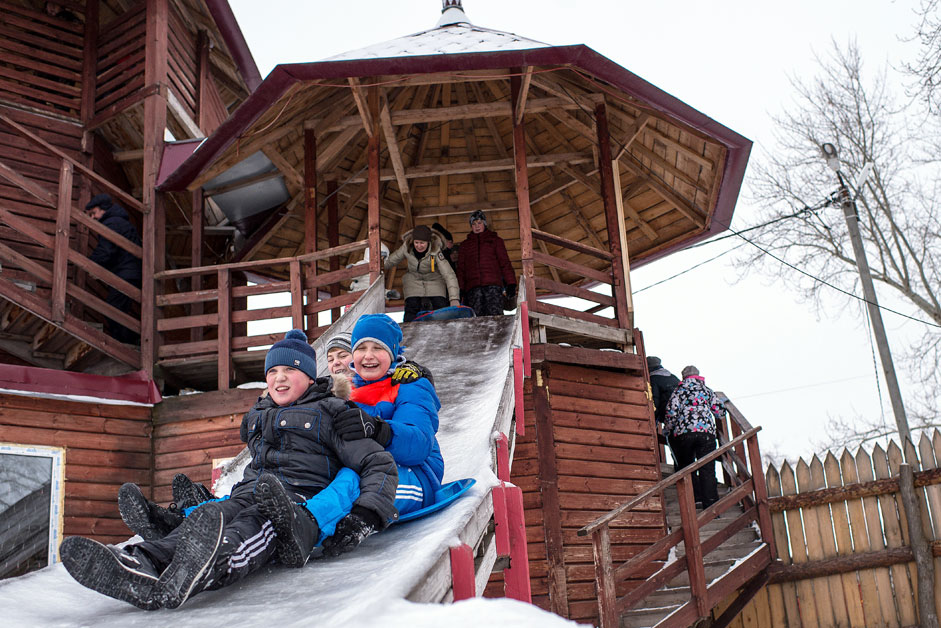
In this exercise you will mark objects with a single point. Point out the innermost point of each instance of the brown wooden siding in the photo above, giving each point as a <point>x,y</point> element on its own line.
<point>191,430</point>
<point>120,70</point>
<point>40,60</point>
<point>603,450</point>
<point>182,63</point>
<point>106,445</point>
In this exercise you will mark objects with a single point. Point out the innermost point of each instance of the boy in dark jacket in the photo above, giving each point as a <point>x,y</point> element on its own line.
<point>291,435</point>
<point>484,271</point>
<point>120,262</point>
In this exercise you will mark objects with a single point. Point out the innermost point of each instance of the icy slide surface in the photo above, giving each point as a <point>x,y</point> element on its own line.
<point>470,360</point>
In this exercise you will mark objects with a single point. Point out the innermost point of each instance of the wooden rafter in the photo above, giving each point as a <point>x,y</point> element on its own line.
<point>493,165</point>
<point>520,106</point>
<point>681,204</point>
<point>632,132</point>
<point>395,157</point>
<point>470,140</point>
<point>287,170</point>
<point>359,96</point>
<point>445,147</point>
<point>491,123</point>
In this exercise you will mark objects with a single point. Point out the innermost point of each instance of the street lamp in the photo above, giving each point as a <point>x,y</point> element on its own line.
<point>848,204</point>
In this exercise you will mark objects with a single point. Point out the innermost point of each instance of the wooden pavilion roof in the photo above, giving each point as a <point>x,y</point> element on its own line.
<point>447,145</point>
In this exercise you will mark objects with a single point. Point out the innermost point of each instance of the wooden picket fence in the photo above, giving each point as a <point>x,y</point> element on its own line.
<point>843,539</point>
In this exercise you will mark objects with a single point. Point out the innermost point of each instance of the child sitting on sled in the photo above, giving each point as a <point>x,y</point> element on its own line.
<point>292,434</point>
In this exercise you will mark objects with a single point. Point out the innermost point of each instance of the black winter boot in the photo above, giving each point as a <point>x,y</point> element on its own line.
<point>112,571</point>
<point>295,528</point>
<point>151,521</point>
<point>195,555</point>
<point>187,493</point>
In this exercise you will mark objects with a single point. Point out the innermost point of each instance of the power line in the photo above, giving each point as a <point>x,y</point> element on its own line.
<point>683,272</point>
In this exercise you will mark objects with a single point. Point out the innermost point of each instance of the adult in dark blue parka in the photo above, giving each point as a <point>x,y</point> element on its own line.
<point>120,262</point>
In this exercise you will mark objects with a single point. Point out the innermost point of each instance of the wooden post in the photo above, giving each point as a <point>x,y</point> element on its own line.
<point>611,218</point>
<point>372,187</point>
<point>622,236</point>
<point>196,256</point>
<point>60,259</point>
<point>503,457</point>
<point>923,560</point>
<point>517,574</point>
<point>463,584</point>
<point>310,212</point>
<point>761,496</point>
<point>333,236</point>
<point>549,489</point>
<point>89,61</point>
<point>501,524</point>
<point>155,122</point>
<point>224,349</point>
<point>694,558</point>
<point>522,192</point>
<point>604,576</point>
<point>297,296</point>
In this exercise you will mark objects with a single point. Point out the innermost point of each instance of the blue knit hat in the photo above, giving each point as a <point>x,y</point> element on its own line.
<point>293,351</point>
<point>380,329</point>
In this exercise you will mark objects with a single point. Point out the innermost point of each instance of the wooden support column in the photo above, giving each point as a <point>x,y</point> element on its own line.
<point>60,259</point>
<point>372,185</point>
<point>196,256</point>
<point>522,192</point>
<point>619,286</point>
<point>622,235</point>
<point>155,122</point>
<point>549,489</point>
<point>224,349</point>
<point>333,237</point>
<point>310,214</point>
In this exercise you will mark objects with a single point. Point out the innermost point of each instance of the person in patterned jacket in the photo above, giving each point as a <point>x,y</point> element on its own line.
<point>691,416</point>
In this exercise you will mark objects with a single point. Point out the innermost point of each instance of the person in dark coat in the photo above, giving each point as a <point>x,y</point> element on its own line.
<point>448,250</point>
<point>115,259</point>
<point>484,270</point>
<point>691,417</point>
<point>662,385</point>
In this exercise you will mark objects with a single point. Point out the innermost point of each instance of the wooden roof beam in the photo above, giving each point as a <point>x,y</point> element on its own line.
<point>491,123</point>
<point>470,139</point>
<point>290,174</point>
<point>520,107</point>
<point>395,156</point>
<point>632,132</point>
<point>468,167</point>
<point>681,204</point>
<point>359,96</point>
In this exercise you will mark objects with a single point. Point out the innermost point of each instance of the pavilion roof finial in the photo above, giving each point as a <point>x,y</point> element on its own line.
<point>452,13</point>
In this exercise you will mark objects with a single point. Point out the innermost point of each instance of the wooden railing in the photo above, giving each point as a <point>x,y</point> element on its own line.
<point>741,458</point>
<point>186,332</point>
<point>54,258</point>
<point>588,274</point>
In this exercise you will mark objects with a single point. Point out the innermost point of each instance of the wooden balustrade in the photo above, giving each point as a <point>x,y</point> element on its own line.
<point>177,321</point>
<point>741,458</point>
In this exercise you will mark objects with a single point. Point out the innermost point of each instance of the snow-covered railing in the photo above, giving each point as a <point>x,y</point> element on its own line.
<point>741,460</point>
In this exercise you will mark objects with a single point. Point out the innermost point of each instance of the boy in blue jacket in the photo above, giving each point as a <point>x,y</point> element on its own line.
<point>401,418</point>
<point>296,452</point>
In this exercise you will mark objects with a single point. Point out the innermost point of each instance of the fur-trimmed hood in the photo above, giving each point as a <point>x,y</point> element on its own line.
<point>341,387</point>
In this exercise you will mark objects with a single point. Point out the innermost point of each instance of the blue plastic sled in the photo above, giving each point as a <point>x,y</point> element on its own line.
<point>446,313</point>
<point>445,496</point>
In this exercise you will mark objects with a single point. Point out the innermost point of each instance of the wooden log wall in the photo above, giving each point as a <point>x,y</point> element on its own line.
<point>594,450</point>
<point>192,430</point>
<point>40,59</point>
<point>120,71</point>
<point>106,445</point>
<point>843,540</point>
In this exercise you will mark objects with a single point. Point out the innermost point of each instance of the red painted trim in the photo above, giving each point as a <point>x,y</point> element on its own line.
<point>518,391</point>
<point>524,318</point>
<point>503,458</point>
<point>463,583</point>
<point>516,576</point>
<point>135,387</point>
<point>501,526</point>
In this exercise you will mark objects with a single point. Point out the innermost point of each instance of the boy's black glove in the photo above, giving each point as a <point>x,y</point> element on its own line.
<point>354,424</point>
<point>408,372</point>
<point>351,530</point>
<point>511,291</point>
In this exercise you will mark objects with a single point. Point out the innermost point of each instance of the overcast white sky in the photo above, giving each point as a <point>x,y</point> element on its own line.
<point>786,369</point>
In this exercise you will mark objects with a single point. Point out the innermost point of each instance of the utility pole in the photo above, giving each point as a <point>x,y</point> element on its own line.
<point>869,292</point>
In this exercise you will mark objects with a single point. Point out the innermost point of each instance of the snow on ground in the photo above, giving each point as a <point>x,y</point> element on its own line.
<point>470,360</point>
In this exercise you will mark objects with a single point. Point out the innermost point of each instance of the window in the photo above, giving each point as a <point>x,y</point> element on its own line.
<point>31,507</point>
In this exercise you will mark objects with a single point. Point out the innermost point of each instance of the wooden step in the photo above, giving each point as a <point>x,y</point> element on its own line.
<point>645,617</point>
<point>713,569</point>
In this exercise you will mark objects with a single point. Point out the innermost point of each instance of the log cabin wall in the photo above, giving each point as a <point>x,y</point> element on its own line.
<point>589,445</point>
<point>120,70</point>
<point>105,446</point>
<point>192,430</point>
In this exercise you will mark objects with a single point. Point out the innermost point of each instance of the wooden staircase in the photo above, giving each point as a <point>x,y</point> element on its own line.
<point>657,606</point>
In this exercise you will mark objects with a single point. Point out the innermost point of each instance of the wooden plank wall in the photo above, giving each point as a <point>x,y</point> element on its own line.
<point>191,430</point>
<point>598,451</point>
<point>120,69</point>
<point>182,63</point>
<point>106,445</point>
<point>40,59</point>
